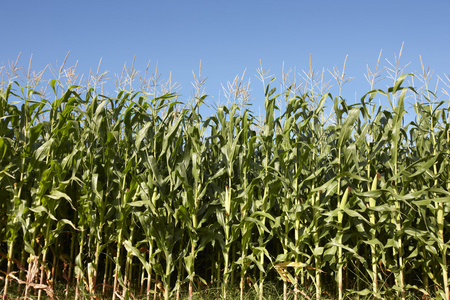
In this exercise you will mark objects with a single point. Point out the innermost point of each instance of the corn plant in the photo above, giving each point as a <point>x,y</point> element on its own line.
<point>141,195</point>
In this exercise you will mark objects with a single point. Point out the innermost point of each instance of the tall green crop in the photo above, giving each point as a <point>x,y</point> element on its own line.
<point>140,195</point>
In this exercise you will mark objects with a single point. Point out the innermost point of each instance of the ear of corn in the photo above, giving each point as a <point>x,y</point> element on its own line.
<point>130,193</point>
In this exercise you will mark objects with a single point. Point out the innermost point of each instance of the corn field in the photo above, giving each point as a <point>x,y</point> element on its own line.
<point>140,196</point>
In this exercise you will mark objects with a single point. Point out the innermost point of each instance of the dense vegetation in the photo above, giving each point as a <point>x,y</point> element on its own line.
<point>136,195</point>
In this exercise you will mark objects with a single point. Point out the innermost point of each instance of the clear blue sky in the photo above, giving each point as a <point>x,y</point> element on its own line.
<point>228,37</point>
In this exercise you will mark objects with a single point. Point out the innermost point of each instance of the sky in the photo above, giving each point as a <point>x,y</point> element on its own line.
<point>228,37</point>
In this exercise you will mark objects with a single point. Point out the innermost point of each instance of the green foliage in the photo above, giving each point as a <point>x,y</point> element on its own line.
<point>131,194</point>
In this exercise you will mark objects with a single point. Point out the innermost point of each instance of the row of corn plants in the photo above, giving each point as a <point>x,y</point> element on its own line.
<point>137,196</point>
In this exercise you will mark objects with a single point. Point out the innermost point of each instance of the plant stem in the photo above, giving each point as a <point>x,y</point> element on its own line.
<point>44,257</point>
<point>372,203</point>
<point>79,261</point>
<point>8,268</point>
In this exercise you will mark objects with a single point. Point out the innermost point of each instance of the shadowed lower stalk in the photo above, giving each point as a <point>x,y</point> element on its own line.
<point>106,272</point>
<point>149,273</point>
<point>117,262</point>
<point>72,254</point>
<point>128,268</point>
<point>44,257</point>
<point>79,263</point>
<point>8,268</point>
